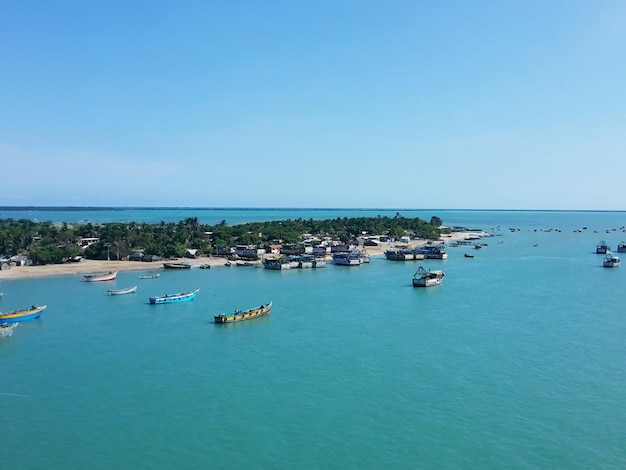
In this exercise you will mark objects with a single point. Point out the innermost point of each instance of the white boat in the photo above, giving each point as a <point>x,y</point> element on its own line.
<point>100,277</point>
<point>127,290</point>
<point>7,330</point>
<point>427,278</point>
<point>150,276</point>
<point>611,261</point>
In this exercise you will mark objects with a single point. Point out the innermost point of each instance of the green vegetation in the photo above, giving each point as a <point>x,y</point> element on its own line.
<point>47,243</point>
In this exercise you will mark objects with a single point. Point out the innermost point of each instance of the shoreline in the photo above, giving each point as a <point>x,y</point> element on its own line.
<point>88,266</point>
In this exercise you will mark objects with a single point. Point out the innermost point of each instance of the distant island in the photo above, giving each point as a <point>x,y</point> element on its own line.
<point>48,243</point>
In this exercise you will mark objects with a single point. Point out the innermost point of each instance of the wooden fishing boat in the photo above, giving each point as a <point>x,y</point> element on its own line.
<point>239,315</point>
<point>7,330</point>
<point>127,290</point>
<point>111,275</point>
<point>172,298</point>
<point>427,278</point>
<point>22,315</point>
<point>150,276</point>
<point>177,265</point>
<point>467,255</point>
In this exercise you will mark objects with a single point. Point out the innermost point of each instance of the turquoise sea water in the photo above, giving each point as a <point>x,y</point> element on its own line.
<point>515,361</point>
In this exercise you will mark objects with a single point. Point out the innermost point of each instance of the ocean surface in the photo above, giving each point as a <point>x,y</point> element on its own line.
<point>516,361</point>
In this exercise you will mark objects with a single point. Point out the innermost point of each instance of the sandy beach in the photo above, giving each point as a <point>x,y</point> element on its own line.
<point>87,266</point>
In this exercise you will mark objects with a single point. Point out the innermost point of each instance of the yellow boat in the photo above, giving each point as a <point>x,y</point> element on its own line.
<point>239,315</point>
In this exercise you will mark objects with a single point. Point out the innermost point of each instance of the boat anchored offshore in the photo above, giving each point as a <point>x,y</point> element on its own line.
<point>21,315</point>
<point>173,298</point>
<point>111,275</point>
<point>611,261</point>
<point>239,315</point>
<point>602,248</point>
<point>127,290</point>
<point>427,278</point>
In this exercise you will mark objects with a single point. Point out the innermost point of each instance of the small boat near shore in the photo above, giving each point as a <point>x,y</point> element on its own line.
<point>173,298</point>
<point>239,315</point>
<point>22,315</point>
<point>348,258</point>
<point>176,265</point>
<point>150,276</point>
<point>100,277</point>
<point>427,278</point>
<point>127,290</point>
<point>7,330</point>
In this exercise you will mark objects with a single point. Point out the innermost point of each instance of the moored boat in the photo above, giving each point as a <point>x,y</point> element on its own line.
<point>7,330</point>
<point>427,278</point>
<point>150,276</point>
<point>347,258</point>
<point>621,248</point>
<point>127,290</point>
<point>611,261</point>
<point>602,248</point>
<point>98,277</point>
<point>276,264</point>
<point>172,298</point>
<point>239,315</point>
<point>22,315</point>
<point>176,265</point>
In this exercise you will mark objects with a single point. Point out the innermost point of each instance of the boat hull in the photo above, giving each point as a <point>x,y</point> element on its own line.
<point>238,315</point>
<point>129,290</point>
<point>7,330</point>
<point>100,277</point>
<point>21,315</point>
<point>174,298</point>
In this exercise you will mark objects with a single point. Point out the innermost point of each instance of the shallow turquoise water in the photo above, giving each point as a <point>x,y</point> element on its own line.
<point>516,361</point>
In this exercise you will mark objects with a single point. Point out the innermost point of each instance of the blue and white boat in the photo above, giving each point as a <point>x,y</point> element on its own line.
<point>22,315</point>
<point>173,298</point>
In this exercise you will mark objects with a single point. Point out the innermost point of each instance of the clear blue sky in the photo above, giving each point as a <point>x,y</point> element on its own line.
<point>401,104</point>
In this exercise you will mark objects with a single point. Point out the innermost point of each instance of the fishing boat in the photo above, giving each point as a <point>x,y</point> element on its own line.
<point>467,255</point>
<point>150,276</point>
<point>602,248</point>
<point>611,261</point>
<point>22,315</point>
<point>276,263</point>
<point>347,258</point>
<point>427,278</point>
<point>7,330</point>
<point>172,298</point>
<point>239,315</point>
<point>111,275</point>
<point>127,290</point>
<point>177,265</point>
<point>621,248</point>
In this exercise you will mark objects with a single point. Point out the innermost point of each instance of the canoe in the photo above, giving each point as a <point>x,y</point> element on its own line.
<point>127,290</point>
<point>150,276</point>
<point>111,275</point>
<point>22,315</point>
<point>172,298</point>
<point>239,315</point>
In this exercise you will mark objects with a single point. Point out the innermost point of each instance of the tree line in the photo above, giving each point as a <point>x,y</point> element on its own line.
<point>49,243</point>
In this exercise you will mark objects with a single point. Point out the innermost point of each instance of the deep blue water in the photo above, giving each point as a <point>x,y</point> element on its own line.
<point>515,361</point>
